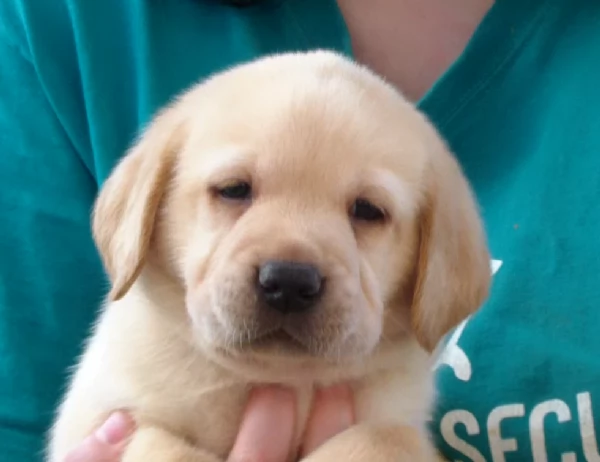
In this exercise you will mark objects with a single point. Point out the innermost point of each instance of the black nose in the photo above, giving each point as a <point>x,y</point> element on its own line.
<point>290,286</point>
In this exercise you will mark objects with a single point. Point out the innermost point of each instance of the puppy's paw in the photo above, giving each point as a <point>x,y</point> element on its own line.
<point>367,443</point>
<point>151,444</point>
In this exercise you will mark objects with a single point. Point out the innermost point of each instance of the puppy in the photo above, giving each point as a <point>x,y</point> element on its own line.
<point>290,221</point>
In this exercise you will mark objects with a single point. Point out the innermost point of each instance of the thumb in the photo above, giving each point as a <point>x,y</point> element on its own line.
<point>267,428</point>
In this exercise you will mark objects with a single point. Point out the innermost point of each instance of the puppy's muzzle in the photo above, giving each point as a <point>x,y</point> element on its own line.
<point>288,286</point>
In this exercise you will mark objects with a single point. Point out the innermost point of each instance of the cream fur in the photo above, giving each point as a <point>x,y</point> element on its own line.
<point>175,342</point>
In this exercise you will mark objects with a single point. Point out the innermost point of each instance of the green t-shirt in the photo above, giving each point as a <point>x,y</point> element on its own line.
<point>79,78</point>
<point>520,381</point>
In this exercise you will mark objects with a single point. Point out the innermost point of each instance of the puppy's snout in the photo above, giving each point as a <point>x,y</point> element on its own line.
<point>289,286</point>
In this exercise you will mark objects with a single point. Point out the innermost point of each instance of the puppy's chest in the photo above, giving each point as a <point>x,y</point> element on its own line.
<point>385,399</point>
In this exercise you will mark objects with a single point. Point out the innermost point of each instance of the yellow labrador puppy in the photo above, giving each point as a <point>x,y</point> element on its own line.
<point>292,221</point>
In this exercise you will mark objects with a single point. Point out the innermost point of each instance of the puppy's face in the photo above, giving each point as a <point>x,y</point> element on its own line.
<point>292,234</point>
<point>306,209</point>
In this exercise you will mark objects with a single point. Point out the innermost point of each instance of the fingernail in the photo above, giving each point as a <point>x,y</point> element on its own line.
<point>115,429</point>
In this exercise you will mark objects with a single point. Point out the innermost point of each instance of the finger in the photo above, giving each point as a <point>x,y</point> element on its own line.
<point>267,428</point>
<point>107,443</point>
<point>332,413</point>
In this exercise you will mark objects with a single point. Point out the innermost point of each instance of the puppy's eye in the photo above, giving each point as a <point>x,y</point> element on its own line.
<point>239,191</point>
<point>365,211</point>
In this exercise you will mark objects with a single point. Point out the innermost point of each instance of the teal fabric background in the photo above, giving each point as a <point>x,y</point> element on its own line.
<point>520,381</point>
<point>78,80</point>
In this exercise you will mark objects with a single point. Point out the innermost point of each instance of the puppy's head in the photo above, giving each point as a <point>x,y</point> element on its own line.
<point>306,209</point>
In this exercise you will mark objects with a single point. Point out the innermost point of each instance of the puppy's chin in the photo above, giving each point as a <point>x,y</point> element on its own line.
<point>286,349</point>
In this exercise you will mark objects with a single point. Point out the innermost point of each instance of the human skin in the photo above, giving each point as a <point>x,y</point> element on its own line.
<point>411,42</point>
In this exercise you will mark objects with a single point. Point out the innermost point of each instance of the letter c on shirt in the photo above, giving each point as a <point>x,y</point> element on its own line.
<point>536,428</point>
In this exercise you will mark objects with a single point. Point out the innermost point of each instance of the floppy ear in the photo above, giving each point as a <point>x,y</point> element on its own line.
<point>453,268</point>
<point>126,208</point>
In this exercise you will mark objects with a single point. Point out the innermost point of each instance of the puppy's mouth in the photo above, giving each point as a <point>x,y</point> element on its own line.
<point>278,340</point>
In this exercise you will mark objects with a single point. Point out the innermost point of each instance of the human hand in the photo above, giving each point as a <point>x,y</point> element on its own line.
<point>107,443</point>
<point>266,433</point>
<point>267,430</point>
